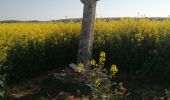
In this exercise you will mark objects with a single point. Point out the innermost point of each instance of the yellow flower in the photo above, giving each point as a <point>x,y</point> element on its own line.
<point>97,82</point>
<point>80,67</point>
<point>93,62</point>
<point>113,69</point>
<point>103,54</point>
<point>96,65</point>
<point>102,59</point>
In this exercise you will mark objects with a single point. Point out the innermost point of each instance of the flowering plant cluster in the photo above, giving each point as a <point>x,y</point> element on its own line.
<point>98,78</point>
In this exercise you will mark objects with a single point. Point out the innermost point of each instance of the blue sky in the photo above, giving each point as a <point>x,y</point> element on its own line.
<point>59,9</point>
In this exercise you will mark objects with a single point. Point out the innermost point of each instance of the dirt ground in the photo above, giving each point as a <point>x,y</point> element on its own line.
<point>48,88</point>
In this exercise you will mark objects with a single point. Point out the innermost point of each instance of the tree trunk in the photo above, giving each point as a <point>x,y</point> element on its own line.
<point>87,35</point>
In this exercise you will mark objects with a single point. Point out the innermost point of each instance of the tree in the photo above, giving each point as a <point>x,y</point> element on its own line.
<point>87,35</point>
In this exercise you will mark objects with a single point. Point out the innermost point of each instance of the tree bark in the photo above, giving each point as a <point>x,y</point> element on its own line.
<point>87,35</point>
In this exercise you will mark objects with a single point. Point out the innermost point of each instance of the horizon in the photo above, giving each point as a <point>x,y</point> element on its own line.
<point>43,10</point>
<point>114,18</point>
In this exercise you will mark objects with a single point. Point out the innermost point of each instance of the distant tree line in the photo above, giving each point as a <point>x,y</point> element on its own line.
<point>80,19</point>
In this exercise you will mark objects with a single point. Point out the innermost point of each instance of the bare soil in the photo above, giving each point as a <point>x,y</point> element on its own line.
<point>48,88</point>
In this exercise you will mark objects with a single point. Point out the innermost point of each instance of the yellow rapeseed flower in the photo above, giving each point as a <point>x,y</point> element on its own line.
<point>113,69</point>
<point>102,59</point>
<point>93,62</point>
<point>80,67</point>
<point>103,54</point>
<point>97,82</point>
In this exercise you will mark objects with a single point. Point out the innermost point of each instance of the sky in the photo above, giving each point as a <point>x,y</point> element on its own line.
<point>60,9</point>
